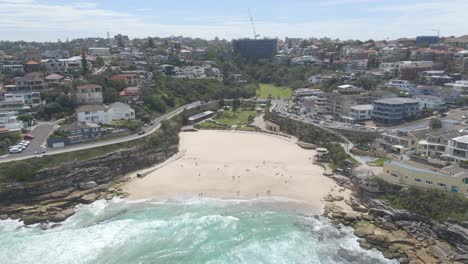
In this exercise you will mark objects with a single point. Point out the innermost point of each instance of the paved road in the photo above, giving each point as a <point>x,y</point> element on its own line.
<point>149,130</point>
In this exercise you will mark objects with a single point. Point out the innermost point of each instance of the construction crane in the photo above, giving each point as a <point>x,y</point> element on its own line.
<point>253,26</point>
<point>437,31</point>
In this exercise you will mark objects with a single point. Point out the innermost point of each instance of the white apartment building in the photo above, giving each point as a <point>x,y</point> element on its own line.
<point>461,86</point>
<point>361,112</point>
<point>98,114</point>
<point>402,85</point>
<point>457,149</point>
<point>12,68</point>
<point>8,120</point>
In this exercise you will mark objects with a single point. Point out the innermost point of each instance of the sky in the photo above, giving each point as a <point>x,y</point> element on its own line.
<point>50,20</point>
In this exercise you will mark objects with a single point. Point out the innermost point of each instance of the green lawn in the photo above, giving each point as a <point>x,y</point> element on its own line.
<point>228,118</point>
<point>267,90</point>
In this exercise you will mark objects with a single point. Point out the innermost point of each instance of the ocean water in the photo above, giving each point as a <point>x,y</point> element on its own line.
<point>187,231</point>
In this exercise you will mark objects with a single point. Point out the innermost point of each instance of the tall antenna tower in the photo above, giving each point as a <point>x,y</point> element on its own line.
<point>253,25</point>
<point>108,38</point>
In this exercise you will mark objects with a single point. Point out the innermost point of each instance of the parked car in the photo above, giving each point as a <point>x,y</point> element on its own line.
<point>28,136</point>
<point>15,150</point>
<point>142,132</point>
<point>41,151</point>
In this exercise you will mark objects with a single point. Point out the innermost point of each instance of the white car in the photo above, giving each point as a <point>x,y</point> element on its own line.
<point>21,146</point>
<point>26,142</point>
<point>15,150</point>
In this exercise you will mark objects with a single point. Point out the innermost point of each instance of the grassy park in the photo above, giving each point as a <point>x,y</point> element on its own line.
<point>273,91</point>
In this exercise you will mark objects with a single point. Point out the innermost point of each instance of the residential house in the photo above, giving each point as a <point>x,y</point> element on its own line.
<point>409,173</point>
<point>32,66</point>
<point>121,111</point>
<point>131,94</point>
<point>98,114</point>
<point>395,110</point>
<point>75,133</point>
<point>89,94</point>
<point>30,82</point>
<point>127,79</point>
<point>435,144</point>
<point>54,79</point>
<point>430,102</point>
<point>99,52</point>
<point>400,142</point>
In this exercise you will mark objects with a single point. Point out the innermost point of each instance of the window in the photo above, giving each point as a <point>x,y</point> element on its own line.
<point>395,174</point>
<point>418,180</point>
<point>465,180</point>
<point>429,182</point>
<point>441,184</point>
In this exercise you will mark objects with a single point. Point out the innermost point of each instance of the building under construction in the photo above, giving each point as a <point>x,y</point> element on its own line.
<point>255,48</point>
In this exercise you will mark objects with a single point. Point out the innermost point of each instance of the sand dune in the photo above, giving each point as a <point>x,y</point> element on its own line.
<point>226,164</point>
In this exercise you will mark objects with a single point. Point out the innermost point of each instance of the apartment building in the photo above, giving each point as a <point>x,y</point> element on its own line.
<point>74,133</point>
<point>395,110</point>
<point>89,94</point>
<point>457,149</point>
<point>344,97</point>
<point>30,82</point>
<point>127,79</point>
<point>435,144</point>
<point>361,112</point>
<point>400,142</point>
<point>409,173</point>
<point>8,69</point>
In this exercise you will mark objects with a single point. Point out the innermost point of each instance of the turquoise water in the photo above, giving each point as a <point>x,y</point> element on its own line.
<point>191,231</point>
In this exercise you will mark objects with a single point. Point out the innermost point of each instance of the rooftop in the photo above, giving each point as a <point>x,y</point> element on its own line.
<point>91,108</point>
<point>397,101</point>
<point>366,107</point>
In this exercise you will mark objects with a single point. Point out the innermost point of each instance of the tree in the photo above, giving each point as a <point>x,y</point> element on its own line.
<point>25,119</point>
<point>84,64</point>
<point>151,43</point>
<point>235,103</point>
<point>435,123</point>
<point>99,61</point>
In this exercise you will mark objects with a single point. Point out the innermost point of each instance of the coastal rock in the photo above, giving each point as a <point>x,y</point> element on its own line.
<point>437,252</point>
<point>338,198</point>
<point>3,217</point>
<point>378,239</point>
<point>68,212</point>
<point>58,218</point>
<point>455,234</point>
<point>88,185</point>
<point>89,198</point>
<point>33,219</point>
<point>367,217</point>
<point>363,229</point>
<point>352,216</point>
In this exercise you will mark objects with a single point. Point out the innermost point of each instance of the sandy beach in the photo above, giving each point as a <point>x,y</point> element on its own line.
<point>225,164</point>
